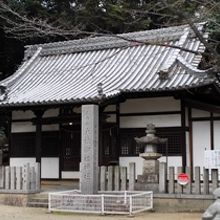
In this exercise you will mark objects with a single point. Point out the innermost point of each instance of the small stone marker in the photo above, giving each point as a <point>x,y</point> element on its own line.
<point>89,149</point>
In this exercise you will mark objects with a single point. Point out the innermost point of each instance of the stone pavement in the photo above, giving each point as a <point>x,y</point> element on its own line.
<point>24,213</point>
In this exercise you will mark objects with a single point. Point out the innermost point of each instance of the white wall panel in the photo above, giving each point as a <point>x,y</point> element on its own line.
<point>158,120</point>
<point>29,114</point>
<point>29,127</point>
<point>157,104</point>
<point>110,108</point>
<point>21,161</point>
<point>217,135</point>
<point>51,113</point>
<point>50,167</point>
<point>70,174</point>
<point>52,127</point>
<point>200,113</point>
<point>17,127</point>
<point>22,115</point>
<point>201,141</point>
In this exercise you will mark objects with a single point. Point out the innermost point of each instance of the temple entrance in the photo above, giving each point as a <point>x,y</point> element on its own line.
<point>71,148</point>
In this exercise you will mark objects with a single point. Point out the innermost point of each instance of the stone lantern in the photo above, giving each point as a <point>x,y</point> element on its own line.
<point>149,179</point>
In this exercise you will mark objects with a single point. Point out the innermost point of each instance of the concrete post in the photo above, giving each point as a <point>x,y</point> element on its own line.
<point>116,178</point>
<point>18,176</point>
<point>110,178</point>
<point>214,174</point>
<point>179,187</point>
<point>162,177</point>
<point>171,185</point>
<point>2,177</point>
<point>7,177</point>
<point>197,180</point>
<point>38,176</point>
<point>132,176</point>
<point>205,181</point>
<point>89,149</point>
<point>123,175</point>
<point>103,178</point>
<point>189,184</point>
<point>12,178</point>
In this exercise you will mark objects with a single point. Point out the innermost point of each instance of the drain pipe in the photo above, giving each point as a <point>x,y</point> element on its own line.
<point>213,211</point>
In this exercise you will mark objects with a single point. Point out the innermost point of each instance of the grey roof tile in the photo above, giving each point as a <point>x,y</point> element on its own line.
<point>70,71</point>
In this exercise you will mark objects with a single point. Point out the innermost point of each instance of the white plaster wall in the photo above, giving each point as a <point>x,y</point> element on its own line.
<point>200,113</point>
<point>51,113</point>
<point>201,141</point>
<point>158,120</point>
<point>70,174</point>
<point>21,161</point>
<point>110,108</point>
<point>17,127</point>
<point>52,127</point>
<point>29,114</point>
<point>49,167</point>
<point>111,118</point>
<point>217,135</point>
<point>124,161</point>
<point>22,115</point>
<point>157,104</point>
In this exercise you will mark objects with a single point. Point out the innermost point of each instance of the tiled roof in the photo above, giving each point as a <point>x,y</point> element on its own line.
<point>68,72</point>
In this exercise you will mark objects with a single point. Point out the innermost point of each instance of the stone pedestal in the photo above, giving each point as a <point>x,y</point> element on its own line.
<point>149,180</point>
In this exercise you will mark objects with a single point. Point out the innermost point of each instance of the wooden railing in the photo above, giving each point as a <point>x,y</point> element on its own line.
<point>24,179</point>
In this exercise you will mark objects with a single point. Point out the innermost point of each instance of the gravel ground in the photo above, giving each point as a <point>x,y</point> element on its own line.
<point>24,213</point>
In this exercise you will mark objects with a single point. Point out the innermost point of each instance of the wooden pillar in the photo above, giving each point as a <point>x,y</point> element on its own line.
<point>38,138</point>
<point>190,142</point>
<point>9,119</point>
<point>211,131</point>
<point>118,129</point>
<point>183,126</point>
<point>101,154</point>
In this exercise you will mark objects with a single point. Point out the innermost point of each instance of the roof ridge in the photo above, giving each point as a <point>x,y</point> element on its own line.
<point>109,41</point>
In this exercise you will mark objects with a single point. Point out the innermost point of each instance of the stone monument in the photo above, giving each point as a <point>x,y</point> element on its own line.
<point>89,152</point>
<point>149,180</point>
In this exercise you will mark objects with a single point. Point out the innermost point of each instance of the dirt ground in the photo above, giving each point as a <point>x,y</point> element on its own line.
<point>23,213</point>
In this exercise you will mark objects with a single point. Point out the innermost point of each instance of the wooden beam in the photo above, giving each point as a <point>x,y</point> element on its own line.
<point>150,113</point>
<point>214,118</point>
<point>202,105</point>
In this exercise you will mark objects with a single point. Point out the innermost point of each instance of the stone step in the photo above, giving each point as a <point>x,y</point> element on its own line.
<point>38,202</point>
